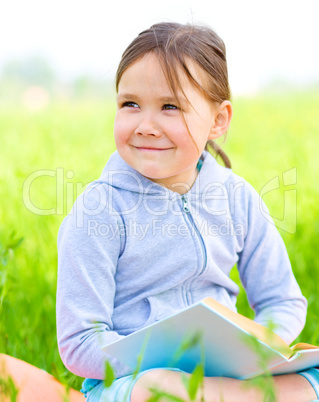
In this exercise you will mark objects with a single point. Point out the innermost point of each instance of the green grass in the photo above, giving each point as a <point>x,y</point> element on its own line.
<point>269,136</point>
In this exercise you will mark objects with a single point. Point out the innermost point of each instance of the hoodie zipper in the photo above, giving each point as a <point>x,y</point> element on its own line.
<point>185,204</point>
<point>201,241</point>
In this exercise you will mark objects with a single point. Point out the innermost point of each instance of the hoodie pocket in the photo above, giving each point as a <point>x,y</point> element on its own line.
<point>153,305</point>
<point>138,316</point>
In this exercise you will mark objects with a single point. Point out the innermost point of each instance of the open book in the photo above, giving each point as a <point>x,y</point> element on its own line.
<point>227,343</point>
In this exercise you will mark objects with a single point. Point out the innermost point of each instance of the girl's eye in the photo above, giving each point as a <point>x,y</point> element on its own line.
<point>130,104</point>
<point>170,107</point>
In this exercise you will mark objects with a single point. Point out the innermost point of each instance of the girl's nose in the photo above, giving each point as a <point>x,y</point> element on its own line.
<point>147,126</point>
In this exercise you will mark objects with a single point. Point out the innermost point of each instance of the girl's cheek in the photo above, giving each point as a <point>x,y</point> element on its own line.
<point>121,128</point>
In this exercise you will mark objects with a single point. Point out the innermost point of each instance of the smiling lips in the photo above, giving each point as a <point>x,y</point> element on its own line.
<point>146,149</point>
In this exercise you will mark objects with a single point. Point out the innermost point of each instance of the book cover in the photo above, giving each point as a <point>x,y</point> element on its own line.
<point>227,343</point>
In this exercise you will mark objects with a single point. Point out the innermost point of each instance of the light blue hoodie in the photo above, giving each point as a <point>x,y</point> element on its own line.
<point>132,252</point>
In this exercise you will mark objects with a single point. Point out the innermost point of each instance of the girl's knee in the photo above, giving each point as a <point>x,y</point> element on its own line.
<point>167,380</point>
<point>142,388</point>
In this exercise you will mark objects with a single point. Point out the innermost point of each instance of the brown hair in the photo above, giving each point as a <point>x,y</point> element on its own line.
<point>173,43</point>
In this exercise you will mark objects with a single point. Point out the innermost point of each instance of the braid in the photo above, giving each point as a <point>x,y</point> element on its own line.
<point>219,152</point>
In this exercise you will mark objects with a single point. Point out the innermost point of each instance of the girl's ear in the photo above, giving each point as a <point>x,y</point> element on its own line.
<point>223,116</point>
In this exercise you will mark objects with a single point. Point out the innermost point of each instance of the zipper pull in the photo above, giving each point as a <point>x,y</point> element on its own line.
<point>185,204</point>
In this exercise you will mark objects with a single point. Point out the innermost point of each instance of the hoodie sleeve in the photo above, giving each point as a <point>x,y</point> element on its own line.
<point>266,272</point>
<point>87,261</point>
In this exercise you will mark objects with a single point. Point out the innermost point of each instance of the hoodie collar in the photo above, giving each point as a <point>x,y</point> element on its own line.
<point>118,174</point>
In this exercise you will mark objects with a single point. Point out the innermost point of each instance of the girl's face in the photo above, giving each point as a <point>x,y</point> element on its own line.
<point>150,132</point>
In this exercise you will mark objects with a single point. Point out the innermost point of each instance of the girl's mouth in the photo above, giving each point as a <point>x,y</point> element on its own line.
<point>147,149</point>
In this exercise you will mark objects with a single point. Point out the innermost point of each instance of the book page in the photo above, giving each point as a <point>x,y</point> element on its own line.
<point>303,346</point>
<point>258,331</point>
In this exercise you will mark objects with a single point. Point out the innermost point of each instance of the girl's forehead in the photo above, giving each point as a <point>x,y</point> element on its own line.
<point>149,70</point>
<point>145,68</point>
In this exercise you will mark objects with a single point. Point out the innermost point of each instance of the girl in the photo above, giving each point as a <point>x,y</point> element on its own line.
<point>164,225</point>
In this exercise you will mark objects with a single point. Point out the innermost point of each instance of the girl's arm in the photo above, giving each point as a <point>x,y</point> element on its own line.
<point>87,262</point>
<point>290,387</point>
<point>265,269</point>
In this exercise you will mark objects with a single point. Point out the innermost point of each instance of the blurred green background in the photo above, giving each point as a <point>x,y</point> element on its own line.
<point>67,137</point>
